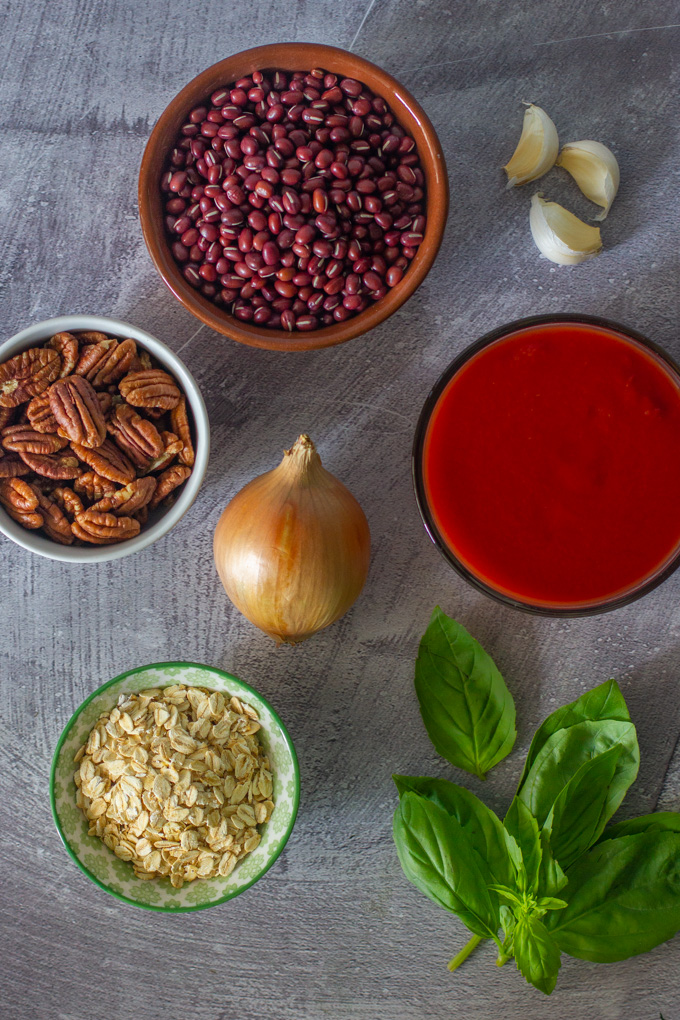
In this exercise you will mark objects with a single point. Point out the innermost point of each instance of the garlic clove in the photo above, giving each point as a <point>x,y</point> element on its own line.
<point>594,168</point>
<point>536,150</point>
<point>560,236</point>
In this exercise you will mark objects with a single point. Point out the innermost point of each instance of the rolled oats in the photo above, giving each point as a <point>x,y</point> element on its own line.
<point>176,782</point>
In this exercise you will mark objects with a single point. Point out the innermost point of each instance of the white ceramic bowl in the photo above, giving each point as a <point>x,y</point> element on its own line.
<point>161,521</point>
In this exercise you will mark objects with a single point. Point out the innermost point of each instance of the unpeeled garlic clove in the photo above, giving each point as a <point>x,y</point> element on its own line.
<point>594,168</point>
<point>560,236</point>
<point>536,150</point>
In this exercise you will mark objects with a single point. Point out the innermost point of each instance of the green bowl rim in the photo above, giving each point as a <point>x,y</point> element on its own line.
<point>127,899</point>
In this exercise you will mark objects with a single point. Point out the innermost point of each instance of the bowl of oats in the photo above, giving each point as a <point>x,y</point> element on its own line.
<point>174,786</point>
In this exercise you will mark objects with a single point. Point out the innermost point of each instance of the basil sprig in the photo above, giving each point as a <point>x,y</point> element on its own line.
<point>551,878</point>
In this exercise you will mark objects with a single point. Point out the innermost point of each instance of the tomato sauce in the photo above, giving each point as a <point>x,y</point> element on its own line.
<point>551,464</point>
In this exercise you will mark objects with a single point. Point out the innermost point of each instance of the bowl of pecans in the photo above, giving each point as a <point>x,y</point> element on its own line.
<point>174,786</point>
<point>104,439</point>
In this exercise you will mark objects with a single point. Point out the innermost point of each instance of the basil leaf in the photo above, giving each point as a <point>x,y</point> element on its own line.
<point>583,807</point>
<point>483,828</point>
<point>624,898</point>
<point>566,750</point>
<point>438,859</point>
<point>603,702</point>
<point>545,903</point>
<point>508,920</point>
<point>522,825</point>
<point>658,821</point>
<point>536,953</point>
<point>511,895</point>
<point>468,711</point>
<point>516,856</point>
<point>551,879</point>
<point>508,923</point>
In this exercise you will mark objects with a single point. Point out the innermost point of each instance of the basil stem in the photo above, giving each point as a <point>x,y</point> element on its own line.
<point>462,956</point>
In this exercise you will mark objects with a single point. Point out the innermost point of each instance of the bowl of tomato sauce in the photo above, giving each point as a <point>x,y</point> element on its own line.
<point>546,465</point>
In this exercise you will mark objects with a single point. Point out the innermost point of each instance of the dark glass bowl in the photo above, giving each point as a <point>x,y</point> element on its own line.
<point>570,609</point>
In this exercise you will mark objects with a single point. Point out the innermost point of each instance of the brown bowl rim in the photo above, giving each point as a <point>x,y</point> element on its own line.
<point>292,56</point>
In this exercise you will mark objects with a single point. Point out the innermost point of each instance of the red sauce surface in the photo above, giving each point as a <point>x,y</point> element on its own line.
<point>551,464</point>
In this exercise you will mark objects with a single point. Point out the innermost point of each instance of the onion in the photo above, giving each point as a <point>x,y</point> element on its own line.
<point>292,547</point>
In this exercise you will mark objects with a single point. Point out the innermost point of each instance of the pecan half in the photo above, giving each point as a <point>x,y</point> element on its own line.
<point>23,438</point>
<point>168,482</point>
<point>142,361</point>
<point>179,422</point>
<point>171,447</point>
<point>69,502</point>
<point>30,520</point>
<point>93,486</point>
<point>105,402</point>
<point>13,466</point>
<point>106,460</point>
<point>17,494</point>
<point>119,363</point>
<point>90,336</point>
<point>152,388</point>
<point>43,484</point>
<point>55,524</point>
<point>93,356</point>
<point>56,466</point>
<point>28,374</point>
<point>75,406</point>
<point>6,414</point>
<point>159,415</point>
<point>39,413</point>
<point>128,500</point>
<point>20,500</point>
<point>102,528</point>
<point>135,435</point>
<point>105,363</point>
<point>66,345</point>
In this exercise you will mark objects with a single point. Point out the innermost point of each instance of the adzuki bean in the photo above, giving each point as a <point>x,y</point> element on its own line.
<point>294,200</point>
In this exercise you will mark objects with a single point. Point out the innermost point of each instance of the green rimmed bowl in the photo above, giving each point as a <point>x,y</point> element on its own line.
<point>117,877</point>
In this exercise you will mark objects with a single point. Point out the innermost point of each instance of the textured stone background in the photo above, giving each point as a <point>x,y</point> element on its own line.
<point>334,930</point>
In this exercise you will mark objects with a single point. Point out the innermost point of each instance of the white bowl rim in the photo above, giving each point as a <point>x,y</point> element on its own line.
<point>43,546</point>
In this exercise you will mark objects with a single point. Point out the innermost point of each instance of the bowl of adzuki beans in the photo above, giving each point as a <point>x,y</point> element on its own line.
<point>293,196</point>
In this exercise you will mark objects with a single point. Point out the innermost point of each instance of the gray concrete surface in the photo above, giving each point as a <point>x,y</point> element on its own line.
<point>334,930</point>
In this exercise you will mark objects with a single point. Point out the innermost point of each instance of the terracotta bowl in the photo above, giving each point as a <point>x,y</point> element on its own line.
<point>292,57</point>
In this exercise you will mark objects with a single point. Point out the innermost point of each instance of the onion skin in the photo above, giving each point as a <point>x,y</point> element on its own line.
<point>292,548</point>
